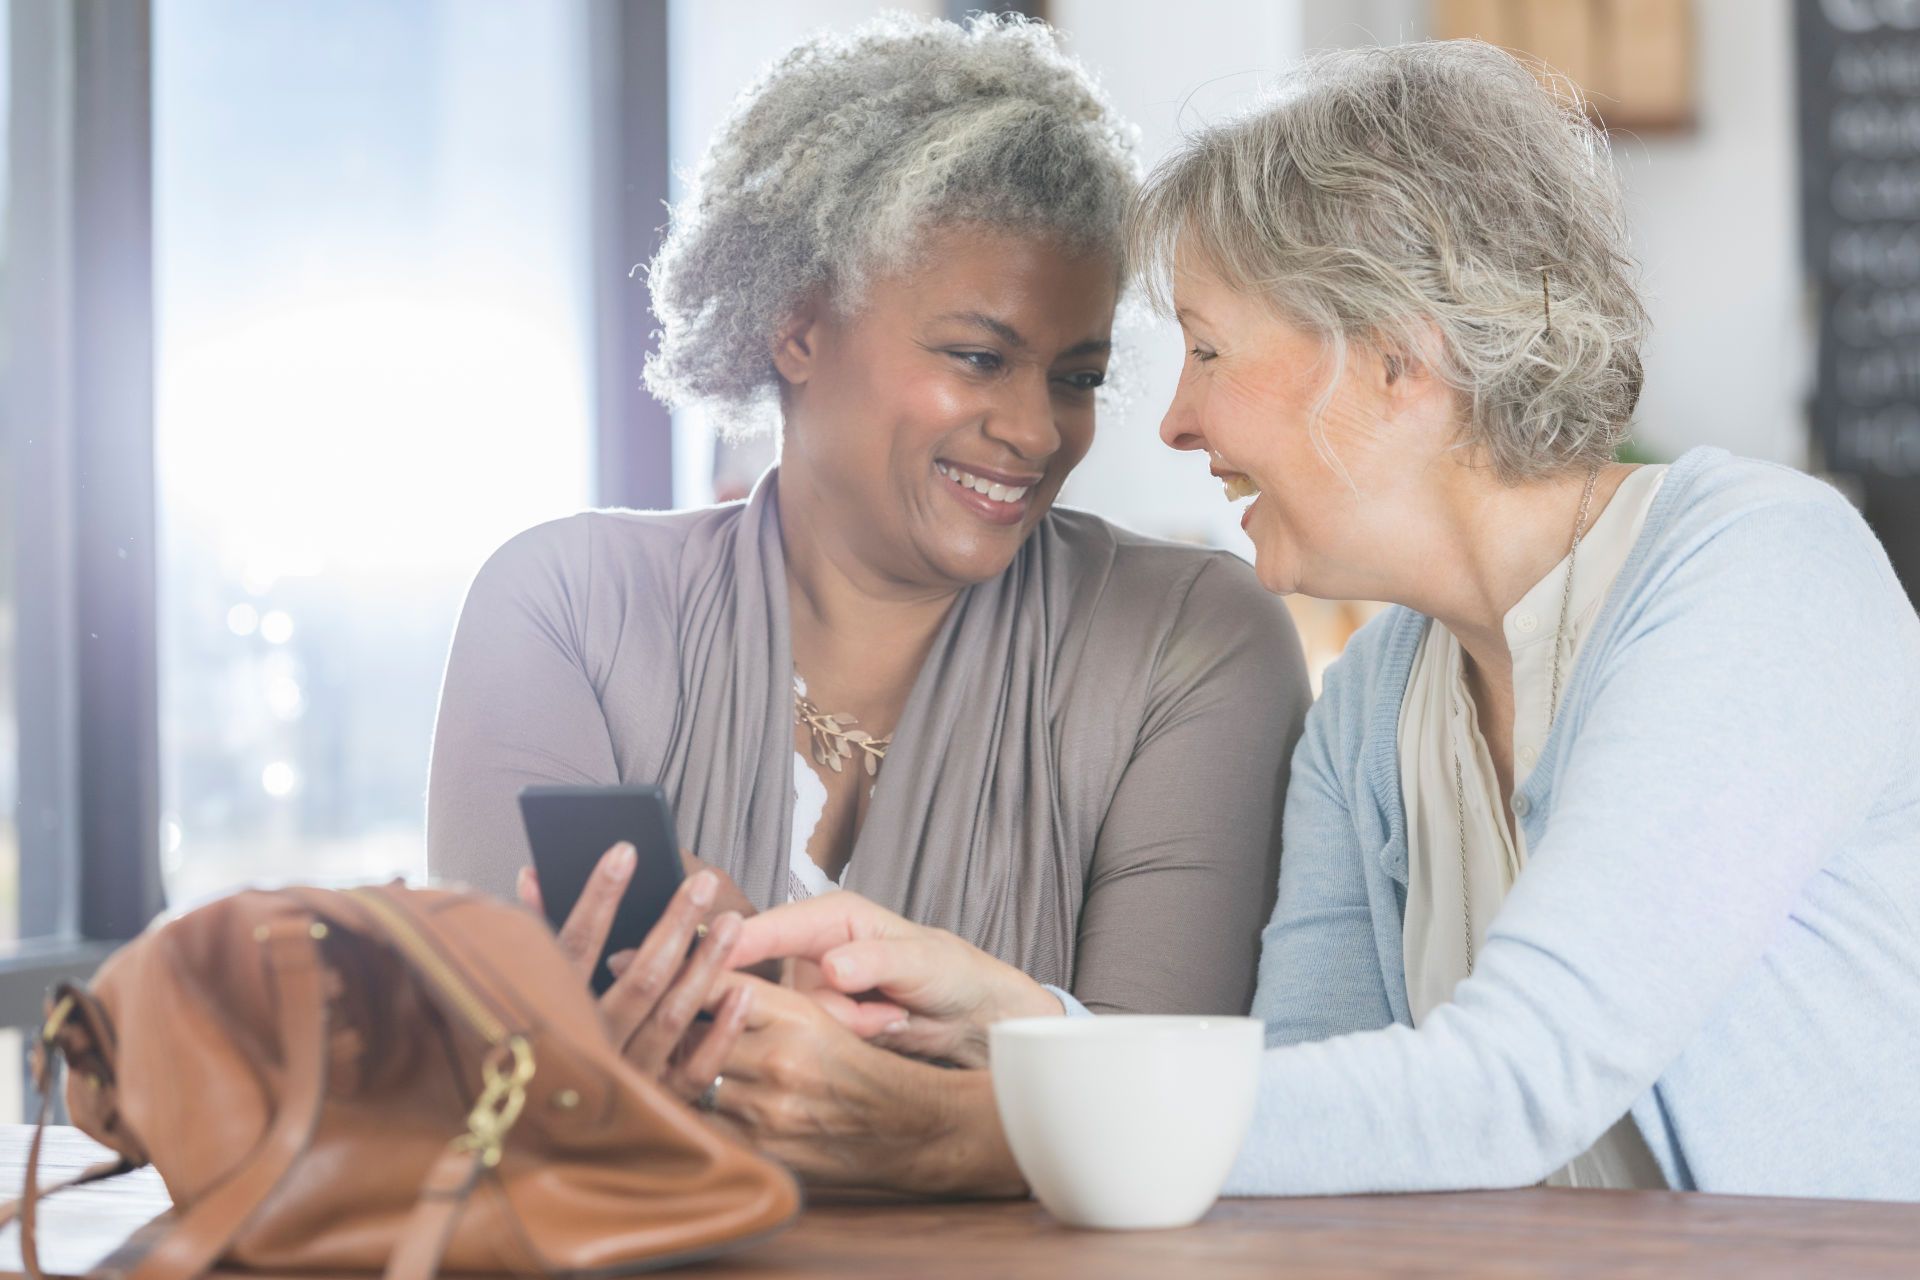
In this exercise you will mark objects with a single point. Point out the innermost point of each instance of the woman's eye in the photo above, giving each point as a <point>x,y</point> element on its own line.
<point>979,361</point>
<point>1201,354</point>
<point>1085,380</point>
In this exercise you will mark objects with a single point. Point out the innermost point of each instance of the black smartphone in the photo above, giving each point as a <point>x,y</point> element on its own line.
<point>571,829</point>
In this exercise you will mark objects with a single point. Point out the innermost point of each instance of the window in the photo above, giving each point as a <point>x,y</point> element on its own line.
<point>373,346</point>
<point>9,723</point>
<point>11,1102</point>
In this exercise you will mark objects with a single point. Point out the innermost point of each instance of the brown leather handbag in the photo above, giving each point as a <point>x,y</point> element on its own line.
<point>385,1077</point>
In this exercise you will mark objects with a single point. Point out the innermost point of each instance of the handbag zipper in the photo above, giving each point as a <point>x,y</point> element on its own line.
<point>504,1092</point>
<point>427,958</point>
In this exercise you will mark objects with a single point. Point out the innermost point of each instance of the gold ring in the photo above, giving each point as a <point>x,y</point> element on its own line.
<point>700,930</point>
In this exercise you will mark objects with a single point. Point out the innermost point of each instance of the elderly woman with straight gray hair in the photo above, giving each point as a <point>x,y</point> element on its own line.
<point>1601,856</point>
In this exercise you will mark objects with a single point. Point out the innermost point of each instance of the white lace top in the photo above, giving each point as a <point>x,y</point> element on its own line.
<point>805,879</point>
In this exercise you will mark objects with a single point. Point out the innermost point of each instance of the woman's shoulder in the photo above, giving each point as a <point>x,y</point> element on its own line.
<point>577,575</point>
<point>1179,625</point>
<point>610,544</point>
<point>1721,521</point>
<point>1709,491</point>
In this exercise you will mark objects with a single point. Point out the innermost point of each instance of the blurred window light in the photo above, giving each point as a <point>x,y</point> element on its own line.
<point>373,338</point>
<point>284,698</point>
<point>278,779</point>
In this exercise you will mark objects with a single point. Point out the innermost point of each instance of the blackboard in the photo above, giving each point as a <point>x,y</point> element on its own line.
<point>1859,92</point>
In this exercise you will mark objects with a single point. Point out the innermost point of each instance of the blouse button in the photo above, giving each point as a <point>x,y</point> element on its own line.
<point>1521,805</point>
<point>1527,623</point>
<point>1528,755</point>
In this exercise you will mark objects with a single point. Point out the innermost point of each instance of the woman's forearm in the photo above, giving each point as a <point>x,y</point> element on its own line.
<point>966,1152</point>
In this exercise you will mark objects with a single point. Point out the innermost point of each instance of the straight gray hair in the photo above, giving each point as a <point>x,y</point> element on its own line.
<point>1441,204</point>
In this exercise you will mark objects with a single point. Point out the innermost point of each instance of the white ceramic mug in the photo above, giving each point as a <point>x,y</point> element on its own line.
<point>1123,1122</point>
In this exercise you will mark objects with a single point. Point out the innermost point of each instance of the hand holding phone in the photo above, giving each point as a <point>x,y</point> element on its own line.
<point>673,977</point>
<point>571,831</point>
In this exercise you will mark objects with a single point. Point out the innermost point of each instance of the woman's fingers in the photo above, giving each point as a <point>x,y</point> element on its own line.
<point>868,1019</point>
<point>888,1026</point>
<point>650,1041</point>
<point>810,929</point>
<point>586,927</point>
<point>527,888</point>
<point>730,897</point>
<point>918,972</point>
<point>707,1057</point>
<point>644,980</point>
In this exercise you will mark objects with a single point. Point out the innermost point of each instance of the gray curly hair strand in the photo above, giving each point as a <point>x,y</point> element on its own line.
<point>1392,196</point>
<point>839,157</point>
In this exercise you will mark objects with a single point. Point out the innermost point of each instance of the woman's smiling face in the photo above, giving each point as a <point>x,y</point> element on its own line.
<point>1253,392</point>
<point>944,414</point>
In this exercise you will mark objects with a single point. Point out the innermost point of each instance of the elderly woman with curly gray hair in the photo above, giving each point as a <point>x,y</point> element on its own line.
<point>1602,862</point>
<point>897,669</point>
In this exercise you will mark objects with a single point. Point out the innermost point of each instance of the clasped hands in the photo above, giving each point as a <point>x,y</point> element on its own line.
<point>838,1068</point>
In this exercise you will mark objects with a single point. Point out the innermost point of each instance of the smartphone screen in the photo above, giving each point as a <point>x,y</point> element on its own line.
<point>571,829</point>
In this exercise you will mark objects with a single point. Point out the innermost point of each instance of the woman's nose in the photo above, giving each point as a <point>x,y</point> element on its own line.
<point>1025,423</point>
<point>1180,429</point>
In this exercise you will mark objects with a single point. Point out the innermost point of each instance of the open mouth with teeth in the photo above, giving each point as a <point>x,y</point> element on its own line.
<point>993,496</point>
<point>1239,487</point>
<point>995,491</point>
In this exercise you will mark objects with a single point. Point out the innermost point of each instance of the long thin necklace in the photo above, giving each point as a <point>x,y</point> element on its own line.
<point>836,738</point>
<point>1553,703</point>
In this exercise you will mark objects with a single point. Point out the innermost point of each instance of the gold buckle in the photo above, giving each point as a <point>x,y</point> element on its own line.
<point>501,1100</point>
<point>57,1019</point>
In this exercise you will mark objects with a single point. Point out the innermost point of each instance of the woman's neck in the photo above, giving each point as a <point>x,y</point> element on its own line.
<point>856,633</point>
<point>1483,545</point>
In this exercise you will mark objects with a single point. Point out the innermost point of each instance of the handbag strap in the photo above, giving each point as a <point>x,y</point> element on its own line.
<point>423,1240</point>
<point>189,1247</point>
<point>31,1193</point>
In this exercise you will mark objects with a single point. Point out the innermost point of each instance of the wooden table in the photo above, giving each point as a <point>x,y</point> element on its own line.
<point>1491,1234</point>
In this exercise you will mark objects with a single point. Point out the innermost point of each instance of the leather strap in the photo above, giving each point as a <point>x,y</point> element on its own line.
<point>16,1208</point>
<point>26,1206</point>
<point>30,1192</point>
<point>423,1240</point>
<point>198,1237</point>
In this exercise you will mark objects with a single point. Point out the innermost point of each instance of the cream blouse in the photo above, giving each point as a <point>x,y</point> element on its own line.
<point>1437,719</point>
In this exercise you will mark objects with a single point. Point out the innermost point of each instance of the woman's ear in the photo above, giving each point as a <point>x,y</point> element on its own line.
<point>796,344</point>
<point>1405,365</point>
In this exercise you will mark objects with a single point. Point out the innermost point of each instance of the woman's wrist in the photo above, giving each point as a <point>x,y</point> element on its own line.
<point>965,1151</point>
<point>1014,995</point>
<point>1022,997</point>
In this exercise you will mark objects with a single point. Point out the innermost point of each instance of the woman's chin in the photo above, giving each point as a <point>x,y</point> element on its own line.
<point>974,564</point>
<point>1277,571</point>
<point>971,556</point>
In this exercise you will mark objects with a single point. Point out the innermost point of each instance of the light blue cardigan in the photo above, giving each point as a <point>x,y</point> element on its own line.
<point>1719,923</point>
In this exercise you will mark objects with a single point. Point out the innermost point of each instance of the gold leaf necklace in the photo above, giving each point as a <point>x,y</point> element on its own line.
<point>836,738</point>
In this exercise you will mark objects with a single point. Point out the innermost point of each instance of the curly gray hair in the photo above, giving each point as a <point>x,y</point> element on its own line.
<point>1392,196</point>
<point>837,159</point>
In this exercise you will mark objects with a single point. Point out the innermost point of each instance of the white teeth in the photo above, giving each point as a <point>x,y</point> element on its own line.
<point>1239,485</point>
<point>967,480</point>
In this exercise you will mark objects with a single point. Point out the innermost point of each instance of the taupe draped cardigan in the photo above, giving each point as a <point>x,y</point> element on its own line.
<point>1086,782</point>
